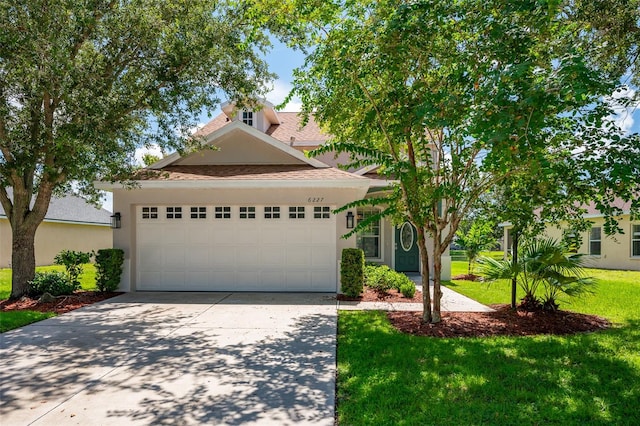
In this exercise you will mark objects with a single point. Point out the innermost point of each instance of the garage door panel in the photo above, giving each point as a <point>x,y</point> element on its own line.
<point>298,255</point>
<point>236,254</point>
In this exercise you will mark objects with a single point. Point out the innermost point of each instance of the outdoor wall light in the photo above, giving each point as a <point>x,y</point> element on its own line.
<point>115,220</point>
<point>350,220</point>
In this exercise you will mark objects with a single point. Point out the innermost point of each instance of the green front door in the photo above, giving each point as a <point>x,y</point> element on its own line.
<point>406,250</point>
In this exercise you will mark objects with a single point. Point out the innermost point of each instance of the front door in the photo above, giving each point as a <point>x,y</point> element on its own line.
<point>406,249</point>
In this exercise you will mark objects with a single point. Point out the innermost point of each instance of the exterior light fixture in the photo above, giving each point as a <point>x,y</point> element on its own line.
<point>350,220</point>
<point>115,220</point>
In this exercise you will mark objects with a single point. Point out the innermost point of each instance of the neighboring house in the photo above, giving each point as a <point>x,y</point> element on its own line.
<point>619,251</point>
<point>70,224</point>
<point>251,214</point>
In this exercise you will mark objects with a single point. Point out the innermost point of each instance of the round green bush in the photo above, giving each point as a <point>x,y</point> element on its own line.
<point>54,283</point>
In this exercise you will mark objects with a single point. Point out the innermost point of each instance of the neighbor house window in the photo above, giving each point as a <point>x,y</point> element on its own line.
<point>321,212</point>
<point>247,212</point>
<point>296,212</point>
<point>635,240</point>
<point>247,118</point>
<point>149,212</point>
<point>222,212</point>
<point>595,242</point>
<point>174,212</point>
<point>198,212</point>
<point>272,212</point>
<point>369,238</point>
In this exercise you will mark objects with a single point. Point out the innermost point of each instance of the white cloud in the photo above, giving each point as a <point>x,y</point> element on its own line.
<point>623,115</point>
<point>153,150</point>
<point>279,93</point>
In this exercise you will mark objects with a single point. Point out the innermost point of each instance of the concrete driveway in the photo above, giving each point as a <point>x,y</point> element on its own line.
<point>175,358</point>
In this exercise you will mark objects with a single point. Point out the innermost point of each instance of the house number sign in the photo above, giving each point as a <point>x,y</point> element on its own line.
<point>315,199</point>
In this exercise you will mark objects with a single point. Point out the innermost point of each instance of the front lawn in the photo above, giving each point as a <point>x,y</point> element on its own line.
<point>15,319</point>
<point>387,378</point>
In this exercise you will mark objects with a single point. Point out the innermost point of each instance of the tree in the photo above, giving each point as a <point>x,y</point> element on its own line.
<point>545,263</point>
<point>478,237</point>
<point>449,99</point>
<point>83,83</point>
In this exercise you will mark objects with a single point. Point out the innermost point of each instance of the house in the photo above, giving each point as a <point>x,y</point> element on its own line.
<point>253,213</point>
<point>619,251</point>
<point>70,224</point>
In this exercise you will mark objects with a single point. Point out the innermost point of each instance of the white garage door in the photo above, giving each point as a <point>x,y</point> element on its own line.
<point>236,248</point>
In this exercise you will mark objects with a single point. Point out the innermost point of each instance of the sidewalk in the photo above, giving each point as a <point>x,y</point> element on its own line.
<point>451,302</point>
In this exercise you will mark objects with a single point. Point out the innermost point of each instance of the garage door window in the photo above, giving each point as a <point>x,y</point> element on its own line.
<point>174,212</point>
<point>149,212</point>
<point>247,212</point>
<point>322,212</point>
<point>222,212</point>
<point>272,212</point>
<point>296,212</point>
<point>198,212</point>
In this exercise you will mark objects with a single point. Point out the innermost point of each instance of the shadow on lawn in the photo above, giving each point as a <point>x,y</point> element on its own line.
<point>171,375</point>
<point>581,379</point>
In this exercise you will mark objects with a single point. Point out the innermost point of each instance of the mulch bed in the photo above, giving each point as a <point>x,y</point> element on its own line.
<point>503,322</point>
<point>468,277</point>
<point>61,305</point>
<point>392,296</point>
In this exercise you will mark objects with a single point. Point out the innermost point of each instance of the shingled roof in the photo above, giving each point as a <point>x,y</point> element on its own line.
<point>72,209</point>
<point>243,172</point>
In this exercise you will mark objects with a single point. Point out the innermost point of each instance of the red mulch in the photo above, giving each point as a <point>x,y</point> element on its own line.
<point>392,295</point>
<point>467,277</point>
<point>61,305</point>
<point>503,322</point>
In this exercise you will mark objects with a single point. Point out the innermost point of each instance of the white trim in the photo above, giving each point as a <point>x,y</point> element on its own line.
<point>240,184</point>
<point>212,138</point>
<point>631,241</point>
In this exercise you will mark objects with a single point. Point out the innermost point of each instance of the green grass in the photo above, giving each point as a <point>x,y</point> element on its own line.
<point>11,320</point>
<point>388,378</point>
<point>460,255</point>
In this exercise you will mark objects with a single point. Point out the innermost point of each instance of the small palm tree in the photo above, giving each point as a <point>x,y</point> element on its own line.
<point>545,264</point>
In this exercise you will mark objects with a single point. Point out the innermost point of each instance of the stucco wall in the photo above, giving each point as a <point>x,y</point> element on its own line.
<point>53,237</point>
<point>615,250</point>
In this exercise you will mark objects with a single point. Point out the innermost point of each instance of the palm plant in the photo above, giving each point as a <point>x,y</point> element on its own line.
<point>544,263</point>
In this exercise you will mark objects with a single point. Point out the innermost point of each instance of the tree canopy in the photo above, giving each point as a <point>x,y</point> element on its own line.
<point>85,82</point>
<point>452,98</point>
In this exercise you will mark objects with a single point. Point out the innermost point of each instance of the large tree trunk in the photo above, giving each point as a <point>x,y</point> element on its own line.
<point>23,260</point>
<point>437,278</point>
<point>424,259</point>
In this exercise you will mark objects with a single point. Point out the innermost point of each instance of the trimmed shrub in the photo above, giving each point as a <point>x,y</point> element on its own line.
<point>352,272</point>
<point>408,290</point>
<point>382,279</point>
<point>54,282</point>
<point>109,268</point>
<point>72,261</point>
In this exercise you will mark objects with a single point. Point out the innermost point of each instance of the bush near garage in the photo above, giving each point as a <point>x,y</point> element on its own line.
<point>109,268</point>
<point>352,272</point>
<point>73,262</point>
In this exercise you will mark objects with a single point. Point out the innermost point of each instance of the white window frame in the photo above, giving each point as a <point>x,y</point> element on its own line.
<point>296,212</point>
<point>361,214</point>
<point>221,212</point>
<point>150,213</point>
<point>197,212</point>
<point>247,117</point>
<point>635,238</point>
<point>247,212</point>
<point>592,240</point>
<point>321,212</point>
<point>173,212</point>
<point>272,212</point>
